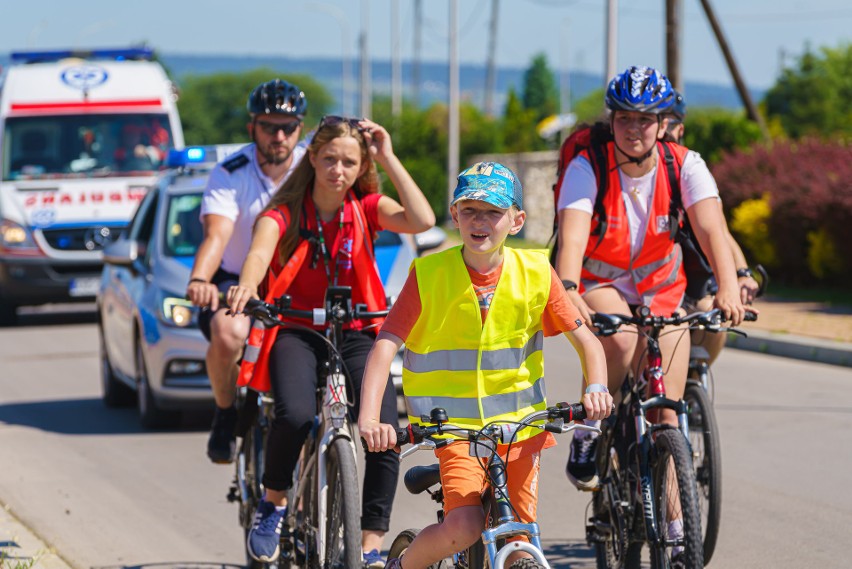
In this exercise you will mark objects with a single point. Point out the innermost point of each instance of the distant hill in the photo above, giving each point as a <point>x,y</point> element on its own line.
<point>433,80</point>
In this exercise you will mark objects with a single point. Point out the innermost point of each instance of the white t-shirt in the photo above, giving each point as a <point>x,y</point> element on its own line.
<point>240,195</point>
<point>579,189</point>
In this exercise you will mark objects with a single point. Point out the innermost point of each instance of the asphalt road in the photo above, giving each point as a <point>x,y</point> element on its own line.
<point>105,493</point>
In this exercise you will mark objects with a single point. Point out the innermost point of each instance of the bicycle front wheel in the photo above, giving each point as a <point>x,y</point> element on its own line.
<point>707,459</point>
<point>675,498</point>
<point>342,520</point>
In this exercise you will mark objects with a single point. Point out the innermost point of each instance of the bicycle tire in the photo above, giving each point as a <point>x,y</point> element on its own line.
<point>526,563</point>
<point>673,464</point>
<point>707,459</point>
<point>342,520</point>
<point>252,448</point>
<point>607,505</point>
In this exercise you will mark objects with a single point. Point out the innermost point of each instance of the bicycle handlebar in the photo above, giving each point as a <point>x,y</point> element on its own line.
<point>608,324</point>
<point>268,313</point>
<point>501,432</point>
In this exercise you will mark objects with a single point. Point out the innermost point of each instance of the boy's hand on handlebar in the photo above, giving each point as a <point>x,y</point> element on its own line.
<point>731,306</point>
<point>238,296</point>
<point>203,294</point>
<point>378,436</point>
<point>598,405</point>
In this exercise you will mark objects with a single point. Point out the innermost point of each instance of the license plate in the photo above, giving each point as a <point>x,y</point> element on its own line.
<point>87,286</point>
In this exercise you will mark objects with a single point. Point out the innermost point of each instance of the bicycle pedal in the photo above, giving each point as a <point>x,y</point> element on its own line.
<point>233,494</point>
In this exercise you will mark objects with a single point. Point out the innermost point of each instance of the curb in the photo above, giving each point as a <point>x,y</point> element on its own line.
<point>20,547</point>
<point>795,347</point>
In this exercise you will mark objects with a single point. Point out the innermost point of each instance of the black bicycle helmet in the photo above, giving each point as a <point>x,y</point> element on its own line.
<point>641,89</point>
<point>277,97</point>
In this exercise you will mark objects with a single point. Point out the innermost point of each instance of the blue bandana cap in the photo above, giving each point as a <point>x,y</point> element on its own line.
<point>490,182</point>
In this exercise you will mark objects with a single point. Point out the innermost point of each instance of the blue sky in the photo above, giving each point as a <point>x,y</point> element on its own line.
<point>759,31</point>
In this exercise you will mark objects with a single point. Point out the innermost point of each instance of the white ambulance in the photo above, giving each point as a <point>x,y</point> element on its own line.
<point>82,138</point>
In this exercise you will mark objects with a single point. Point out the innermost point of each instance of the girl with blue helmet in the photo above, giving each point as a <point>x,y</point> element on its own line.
<point>619,253</point>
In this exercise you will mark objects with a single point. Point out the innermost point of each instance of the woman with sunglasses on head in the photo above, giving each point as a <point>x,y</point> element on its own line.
<point>332,200</point>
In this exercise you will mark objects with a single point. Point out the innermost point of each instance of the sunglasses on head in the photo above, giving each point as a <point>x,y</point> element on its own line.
<point>333,120</point>
<point>272,128</point>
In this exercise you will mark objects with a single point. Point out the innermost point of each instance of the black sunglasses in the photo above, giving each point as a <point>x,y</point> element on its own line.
<point>333,120</point>
<point>272,128</point>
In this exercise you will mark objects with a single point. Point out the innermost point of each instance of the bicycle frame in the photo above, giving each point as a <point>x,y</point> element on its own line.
<point>496,499</point>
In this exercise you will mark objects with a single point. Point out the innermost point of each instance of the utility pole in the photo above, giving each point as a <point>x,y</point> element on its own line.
<point>674,35</point>
<point>418,42</point>
<point>490,68</point>
<point>396,67</point>
<point>611,40</point>
<point>453,127</point>
<point>366,88</point>
<point>565,82</point>
<point>751,109</point>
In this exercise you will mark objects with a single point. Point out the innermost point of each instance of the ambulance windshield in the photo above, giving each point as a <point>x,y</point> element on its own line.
<point>82,146</point>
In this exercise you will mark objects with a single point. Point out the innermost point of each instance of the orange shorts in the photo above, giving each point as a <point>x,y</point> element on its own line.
<point>463,478</point>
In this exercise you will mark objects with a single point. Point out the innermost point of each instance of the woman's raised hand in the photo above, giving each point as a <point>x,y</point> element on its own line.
<point>378,140</point>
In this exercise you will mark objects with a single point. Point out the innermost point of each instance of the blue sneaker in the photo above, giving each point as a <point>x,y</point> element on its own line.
<point>264,538</point>
<point>373,560</point>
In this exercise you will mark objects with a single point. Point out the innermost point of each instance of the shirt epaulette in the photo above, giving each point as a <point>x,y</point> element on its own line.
<point>235,162</point>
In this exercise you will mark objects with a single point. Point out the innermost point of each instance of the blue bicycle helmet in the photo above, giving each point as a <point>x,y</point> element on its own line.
<point>641,89</point>
<point>678,110</point>
<point>277,97</point>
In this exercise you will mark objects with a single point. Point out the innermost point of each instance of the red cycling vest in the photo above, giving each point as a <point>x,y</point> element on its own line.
<point>254,369</point>
<point>657,271</point>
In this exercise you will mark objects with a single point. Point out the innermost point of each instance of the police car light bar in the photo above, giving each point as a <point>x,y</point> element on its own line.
<point>187,156</point>
<point>118,54</point>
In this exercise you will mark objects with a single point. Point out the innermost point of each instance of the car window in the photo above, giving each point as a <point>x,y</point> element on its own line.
<point>183,229</point>
<point>387,239</point>
<point>142,225</point>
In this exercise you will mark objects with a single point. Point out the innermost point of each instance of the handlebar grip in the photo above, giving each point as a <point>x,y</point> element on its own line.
<point>404,436</point>
<point>572,411</point>
<point>750,316</point>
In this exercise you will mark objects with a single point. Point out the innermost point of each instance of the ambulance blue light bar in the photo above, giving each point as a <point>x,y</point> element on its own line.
<point>117,54</point>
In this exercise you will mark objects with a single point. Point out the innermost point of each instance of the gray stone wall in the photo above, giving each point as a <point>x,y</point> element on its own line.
<point>537,171</point>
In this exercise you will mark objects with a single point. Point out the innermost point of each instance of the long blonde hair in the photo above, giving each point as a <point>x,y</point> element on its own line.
<point>292,192</point>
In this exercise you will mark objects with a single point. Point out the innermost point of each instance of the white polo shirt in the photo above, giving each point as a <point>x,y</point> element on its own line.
<point>239,190</point>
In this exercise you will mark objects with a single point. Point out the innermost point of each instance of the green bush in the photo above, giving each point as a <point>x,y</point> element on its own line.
<point>712,132</point>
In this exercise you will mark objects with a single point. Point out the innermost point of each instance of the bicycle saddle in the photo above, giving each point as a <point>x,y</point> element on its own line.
<point>419,478</point>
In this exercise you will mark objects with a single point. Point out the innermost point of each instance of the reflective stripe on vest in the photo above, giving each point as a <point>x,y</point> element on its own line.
<point>656,270</point>
<point>478,372</point>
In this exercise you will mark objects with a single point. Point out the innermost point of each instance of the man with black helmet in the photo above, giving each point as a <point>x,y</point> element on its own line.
<point>237,190</point>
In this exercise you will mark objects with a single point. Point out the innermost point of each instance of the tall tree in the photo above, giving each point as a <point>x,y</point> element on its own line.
<point>539,92</point>
<point>815,96</point>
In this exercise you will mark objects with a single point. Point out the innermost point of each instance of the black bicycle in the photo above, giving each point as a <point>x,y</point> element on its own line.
<point>647,474</point>
<point>703,427</point>
<point>501,519</point>
<point>323,529</point>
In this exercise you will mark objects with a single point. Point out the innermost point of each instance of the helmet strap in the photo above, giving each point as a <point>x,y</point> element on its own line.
<point>638,160</point>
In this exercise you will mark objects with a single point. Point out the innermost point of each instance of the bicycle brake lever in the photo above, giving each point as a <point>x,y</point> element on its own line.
<point>580,426</point>
<point>425,445</point>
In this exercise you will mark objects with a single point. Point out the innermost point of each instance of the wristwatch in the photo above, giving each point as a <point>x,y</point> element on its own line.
<point>569,285</point>
<point>596,388</point>
<point>744,273</point>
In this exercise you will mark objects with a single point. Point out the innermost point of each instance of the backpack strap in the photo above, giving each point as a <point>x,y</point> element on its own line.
<point>675,203</point>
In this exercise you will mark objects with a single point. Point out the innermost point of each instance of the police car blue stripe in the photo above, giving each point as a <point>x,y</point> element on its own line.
<point>385,257</point>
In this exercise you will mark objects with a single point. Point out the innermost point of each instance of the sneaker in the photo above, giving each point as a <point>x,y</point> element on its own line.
<point>581,469</point>
<point>373,560</point>
<point>394,563</point>
<point>222,444</point>
<point>264,538</point>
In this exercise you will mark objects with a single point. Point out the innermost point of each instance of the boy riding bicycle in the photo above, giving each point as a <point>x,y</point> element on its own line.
<point>479,369</point>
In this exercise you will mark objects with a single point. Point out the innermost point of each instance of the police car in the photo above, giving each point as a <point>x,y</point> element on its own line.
<point>151,350</point>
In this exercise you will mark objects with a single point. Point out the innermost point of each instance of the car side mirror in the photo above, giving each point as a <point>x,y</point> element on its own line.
<point>430,239</point>
<point>122,252</point>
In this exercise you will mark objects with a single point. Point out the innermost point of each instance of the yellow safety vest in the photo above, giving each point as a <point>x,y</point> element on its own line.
<point>479,372</point>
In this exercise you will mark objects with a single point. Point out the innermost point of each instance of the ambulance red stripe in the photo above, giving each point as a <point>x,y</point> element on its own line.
<point>85,105</point>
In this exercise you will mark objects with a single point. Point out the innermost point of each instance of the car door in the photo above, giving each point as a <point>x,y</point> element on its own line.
<point>126,285</point>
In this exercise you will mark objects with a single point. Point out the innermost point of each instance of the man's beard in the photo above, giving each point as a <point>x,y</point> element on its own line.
<point>273,158</point>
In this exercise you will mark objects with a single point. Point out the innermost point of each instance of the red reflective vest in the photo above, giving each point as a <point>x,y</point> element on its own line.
<point>254,369</point>
<point>657,270</point>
